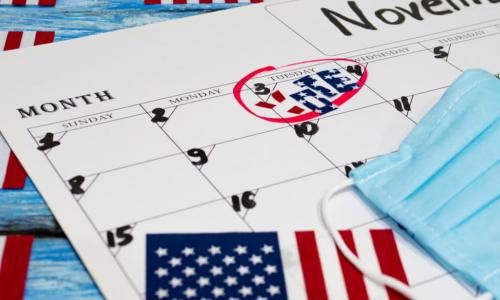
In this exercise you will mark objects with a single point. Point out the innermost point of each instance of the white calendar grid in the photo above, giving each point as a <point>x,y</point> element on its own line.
<point>246,154</point>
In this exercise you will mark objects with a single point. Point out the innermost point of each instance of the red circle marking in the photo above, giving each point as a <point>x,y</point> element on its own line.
<point>307,116</point>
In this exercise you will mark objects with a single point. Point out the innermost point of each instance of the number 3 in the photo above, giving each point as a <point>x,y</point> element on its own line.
<point>261,89</point>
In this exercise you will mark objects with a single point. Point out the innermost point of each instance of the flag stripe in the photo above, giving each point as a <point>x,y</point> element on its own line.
<point>28,2</point>
<point>3,37</point>
<point>17,39</point>
<point>389,258</point>
<point>311,266</point>
<point>4,159</point>
<point>13,40</point>
<point>28,39</point>
<point>47,2</point>
<point>44,37</point>
<point>2,246</point>
<point>14,267</point>
<point>12,175</point>
<point>353,278</point>
<point>15,176</point>
<point>368,256</point>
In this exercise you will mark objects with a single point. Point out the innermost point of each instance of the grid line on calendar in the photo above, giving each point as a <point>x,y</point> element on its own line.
<point>93,225</point>
<point>434,39</point>
<point>204,175</point>
<point>270,185</point>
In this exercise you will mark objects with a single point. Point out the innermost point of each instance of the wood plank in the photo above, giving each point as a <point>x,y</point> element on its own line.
<point>25,211</point>
<point>56,272</point>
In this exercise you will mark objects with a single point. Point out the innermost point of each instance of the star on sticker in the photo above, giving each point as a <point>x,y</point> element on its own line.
<point>261,298</point>
<point>218,292</point>
<point>161,293</point>
<point>230,281</point>
<point>175,261</point>
<point>188,251</point>
<point>303,95</point>
<point>203,281</point>
<point>228,260</point>
<point>190,293</point>
<point>188,271</point>
<point>214,250</point>
<point>255,259</point>
<point>258,280</point>
<point>160,272</point>
<point>161,252</point>
<point>202,260</point>
<point>270,269</point>
<point>328,77</point>
<point>216,271</point>
<point>175,282</point>
<point>245,291</point>
<point>243,270</point>
<point>267,249</point>
<point>240,250</point>
<point>273,290</point>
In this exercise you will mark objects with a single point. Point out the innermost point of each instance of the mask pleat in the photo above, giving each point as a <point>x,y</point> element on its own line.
<point>472,247</point>
<point>460,209</point>
<point>451,180</point>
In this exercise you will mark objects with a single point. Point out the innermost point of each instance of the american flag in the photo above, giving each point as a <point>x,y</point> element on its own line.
<point>215,266</point>
<point>28,2</point>
<point>15,253</point>
<point>12,175</point>
<point>251,265</point>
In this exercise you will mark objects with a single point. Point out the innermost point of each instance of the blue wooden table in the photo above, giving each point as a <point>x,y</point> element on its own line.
<point>55,272</point>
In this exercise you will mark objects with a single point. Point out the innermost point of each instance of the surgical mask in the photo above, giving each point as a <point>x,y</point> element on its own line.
<point>443,185</point>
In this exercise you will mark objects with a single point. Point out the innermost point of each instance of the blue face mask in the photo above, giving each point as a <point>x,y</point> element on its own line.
<point>443,185</point>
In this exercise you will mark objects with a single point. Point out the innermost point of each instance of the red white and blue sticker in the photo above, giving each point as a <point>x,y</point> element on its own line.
<point>300,91</point>
<point>28,2</point>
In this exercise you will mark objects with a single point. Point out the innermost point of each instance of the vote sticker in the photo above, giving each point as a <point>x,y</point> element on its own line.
<point>300,91</point>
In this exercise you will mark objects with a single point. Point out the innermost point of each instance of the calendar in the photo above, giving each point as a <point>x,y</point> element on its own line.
<point>238,122</point>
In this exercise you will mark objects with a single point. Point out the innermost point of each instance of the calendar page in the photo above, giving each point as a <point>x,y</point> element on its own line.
<point>238,122</point>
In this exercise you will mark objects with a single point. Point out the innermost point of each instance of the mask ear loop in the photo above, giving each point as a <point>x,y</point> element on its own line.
<point>374,275</point>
